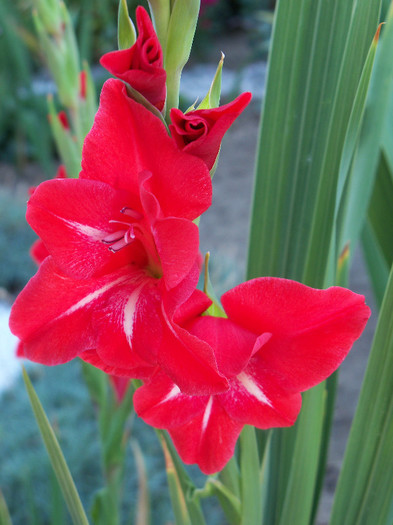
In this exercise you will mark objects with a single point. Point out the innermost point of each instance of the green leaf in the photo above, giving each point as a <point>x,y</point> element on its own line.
<point>185,506</point>
<point>230,504</point>
<point>5,518</point>
<point>58,462</point>
<point>143,507</point>
<point>317,57</point>
<point>250,478</point>
<point>380,211</point>
<point>359,187</point>
<point>212,98</point>
<point>356,118</point>
<point>318,53</point>
<point>305,460</point>
<point>126,34</point>
<point>364,492</point>
<point>376,263</point>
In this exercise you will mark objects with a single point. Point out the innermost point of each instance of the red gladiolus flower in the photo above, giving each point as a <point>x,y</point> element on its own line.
<point>200,132</point>
<point>280,339</point>
<point>142,64</point>
<point>122,247</point>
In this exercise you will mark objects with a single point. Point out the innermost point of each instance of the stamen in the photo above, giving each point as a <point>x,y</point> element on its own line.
<point>112,221</point>
<point>131,213</point>
<point>113,237</point>
<point>130,235</point>
<point>118,245</point>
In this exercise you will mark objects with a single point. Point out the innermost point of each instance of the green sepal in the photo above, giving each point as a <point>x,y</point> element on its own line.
<point>56,457</point>
<point>212,98</point>
<point>215,309</point>
<point>138,97</point>
<point>181,30</point>
<point>160,12</point>
<point>126,34</point>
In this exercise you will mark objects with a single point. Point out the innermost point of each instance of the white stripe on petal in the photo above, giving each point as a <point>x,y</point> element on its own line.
<point>94,233</point>
<point>173,393</point>
<point>206,415</point>
<point>92,296</point>
<point>129,312</point>
<point>252,388</point>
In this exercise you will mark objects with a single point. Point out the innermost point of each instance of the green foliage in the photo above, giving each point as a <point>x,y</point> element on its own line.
<point>24,464</point>
<point>25,475</point>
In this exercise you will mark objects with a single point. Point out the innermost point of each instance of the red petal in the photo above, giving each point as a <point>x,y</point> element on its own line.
<point>192,308</point>
<point>209,439</point>
<point>142,372</point>
<point>177,242</point>
<point>232,344</point>
<point>176,239</point>
<point>38,251</point>
<point>254,399</point>
<point>53,313</point>
<point>134,303</point>
<point>214,122</point>
<point>72,218</point>
<point>201,430</point>
<point>180,182</point>
<point>312,330</point>
<point>189,361</point>
<point>161,404</point>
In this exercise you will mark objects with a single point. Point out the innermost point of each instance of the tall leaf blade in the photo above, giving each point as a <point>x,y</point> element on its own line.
<point>365,490</point>
<point>365,163</point>
<point>318,53</point>
<point>56,457</point>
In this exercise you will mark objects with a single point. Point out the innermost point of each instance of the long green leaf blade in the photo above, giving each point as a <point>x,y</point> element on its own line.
<point>58,462</point>
<point>364,492</point>
<point>318,53</point>
<point>317,56</point>
<point>366,159</point>
<point>250,477</point>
